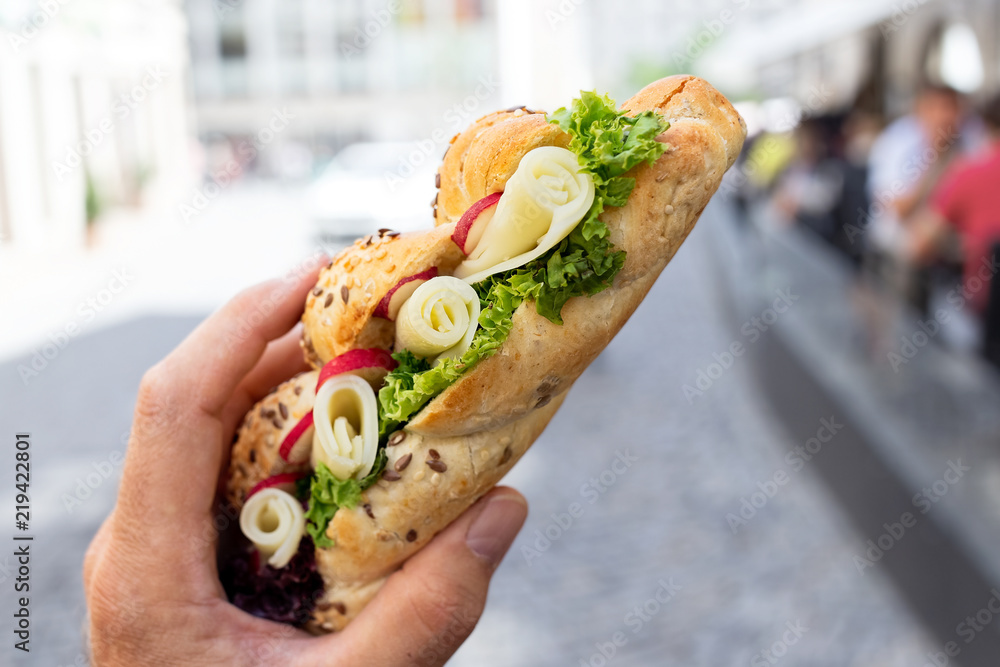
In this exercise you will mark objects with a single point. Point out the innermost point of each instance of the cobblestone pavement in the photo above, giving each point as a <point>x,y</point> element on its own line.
<point>653,521</point>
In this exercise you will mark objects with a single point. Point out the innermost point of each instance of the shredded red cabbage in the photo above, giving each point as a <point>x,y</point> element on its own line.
<point>286,595</point>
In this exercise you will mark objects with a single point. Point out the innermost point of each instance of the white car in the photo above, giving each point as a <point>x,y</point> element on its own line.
<point>368,186</point>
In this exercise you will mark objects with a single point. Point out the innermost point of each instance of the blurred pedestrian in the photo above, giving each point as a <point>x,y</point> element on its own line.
<point>965,208</point>
<point>824,186</point>
<point>808,190</point>
<point>906,163</point>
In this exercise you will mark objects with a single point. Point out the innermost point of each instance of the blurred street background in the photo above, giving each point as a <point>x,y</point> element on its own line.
<point>810,393</point>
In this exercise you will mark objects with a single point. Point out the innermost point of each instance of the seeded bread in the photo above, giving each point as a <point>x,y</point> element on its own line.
<point>428,483</point>
<point>485,155</point>
<point>339,313</point>
<point>254,455</point>
<point>462,442</point>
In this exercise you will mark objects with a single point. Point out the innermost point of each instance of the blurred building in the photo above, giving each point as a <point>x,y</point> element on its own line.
<point>92,113</point>
<point>872,52</point>
<point>351,70</point>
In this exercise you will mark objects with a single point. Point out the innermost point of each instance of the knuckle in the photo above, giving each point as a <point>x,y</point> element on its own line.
<point>154,397</point>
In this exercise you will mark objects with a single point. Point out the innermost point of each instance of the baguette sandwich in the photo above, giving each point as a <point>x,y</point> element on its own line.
<point>440,356</point>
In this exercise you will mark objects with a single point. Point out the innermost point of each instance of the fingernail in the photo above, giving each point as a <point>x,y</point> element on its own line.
<point>493,531</point>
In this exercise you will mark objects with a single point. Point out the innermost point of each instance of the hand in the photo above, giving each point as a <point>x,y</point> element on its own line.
<point>150,574</point>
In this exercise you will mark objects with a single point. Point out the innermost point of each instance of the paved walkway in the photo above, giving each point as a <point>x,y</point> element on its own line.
<point>659,519</point>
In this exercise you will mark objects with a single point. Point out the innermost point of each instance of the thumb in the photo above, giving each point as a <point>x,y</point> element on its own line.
<point>429,607</point>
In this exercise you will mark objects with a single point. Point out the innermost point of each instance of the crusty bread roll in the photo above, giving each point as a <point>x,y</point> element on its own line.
<point>339,311</point>
<point>464,440</point>
<point>481,159</point>
<point>254,455</point>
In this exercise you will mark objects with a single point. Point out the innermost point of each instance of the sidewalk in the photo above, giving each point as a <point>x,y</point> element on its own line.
<point>144,265</point>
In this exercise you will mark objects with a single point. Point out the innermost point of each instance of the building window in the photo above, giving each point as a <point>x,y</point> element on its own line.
<point>291,28</point>
<point>233,34</point>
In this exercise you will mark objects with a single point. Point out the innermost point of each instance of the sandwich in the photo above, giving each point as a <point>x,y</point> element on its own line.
<point>440,356</point>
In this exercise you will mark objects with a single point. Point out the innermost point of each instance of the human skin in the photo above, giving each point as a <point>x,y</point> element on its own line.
<point>150,574</point>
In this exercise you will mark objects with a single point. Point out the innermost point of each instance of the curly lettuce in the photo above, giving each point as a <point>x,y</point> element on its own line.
<point>608,143</point>
<point>414,382</point>
<point>327,494</point>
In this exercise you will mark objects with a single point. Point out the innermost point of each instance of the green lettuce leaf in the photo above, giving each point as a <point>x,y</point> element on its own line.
<point>414,382</point>
<point>607,143</point>
<point>327,494</point>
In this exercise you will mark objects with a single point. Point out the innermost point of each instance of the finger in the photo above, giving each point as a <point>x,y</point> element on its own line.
<point>208,366</point>
<point>428,608</point>
<point>282,360</point>
<point>178,444</point>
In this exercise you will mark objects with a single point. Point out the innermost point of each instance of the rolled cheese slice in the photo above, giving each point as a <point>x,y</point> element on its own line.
<point>439,319</point>
<point>345,417</point>
<point>273,520</point>
<point>542,202</point>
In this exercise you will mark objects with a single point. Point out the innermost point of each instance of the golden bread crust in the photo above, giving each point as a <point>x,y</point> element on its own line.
<point>482,158</point>
<point>254,455</point>
<point>399,517</point>
<point>339,313</point>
